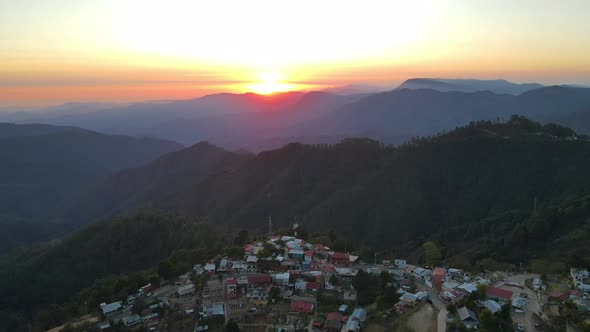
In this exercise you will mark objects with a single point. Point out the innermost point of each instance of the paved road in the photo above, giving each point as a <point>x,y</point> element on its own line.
<point>529,317</point>
<point>441,325</point>
<point>432,295</point>
<point>438,305</point>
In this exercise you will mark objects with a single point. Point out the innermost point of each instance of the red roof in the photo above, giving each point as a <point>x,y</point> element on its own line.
<point>334,316</point>
<point>328,268</point>
<point>309,253</point>
<point>559,295</point>
<point>438,271</point>
<point>300,306</point>
<point>259,279</point>
<point>312,285</point>
<point>499,293</point>
<point>576,293</point>
<point>231,281</point>
<point>339,255</point>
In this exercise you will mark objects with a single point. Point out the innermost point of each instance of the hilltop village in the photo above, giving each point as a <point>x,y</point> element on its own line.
<point>284,283</point>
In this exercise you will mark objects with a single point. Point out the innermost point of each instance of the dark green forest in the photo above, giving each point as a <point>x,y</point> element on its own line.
<point>38,282</point>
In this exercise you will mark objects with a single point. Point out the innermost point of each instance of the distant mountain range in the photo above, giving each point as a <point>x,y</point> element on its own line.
<point>423,112</point>
<point>469,85</point>
<point>259,122</point>
<point>41,166</point>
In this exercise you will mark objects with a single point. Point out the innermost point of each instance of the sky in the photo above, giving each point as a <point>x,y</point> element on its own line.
<point>55,51</point>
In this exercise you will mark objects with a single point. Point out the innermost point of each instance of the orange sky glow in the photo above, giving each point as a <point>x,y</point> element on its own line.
<point>80,50</point>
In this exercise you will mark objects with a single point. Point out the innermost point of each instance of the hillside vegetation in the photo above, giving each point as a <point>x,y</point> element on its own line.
<point>51,273</point>
<point>376,195</point>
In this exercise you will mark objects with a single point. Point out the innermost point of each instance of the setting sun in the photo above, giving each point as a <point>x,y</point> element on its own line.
<point>269,83</point>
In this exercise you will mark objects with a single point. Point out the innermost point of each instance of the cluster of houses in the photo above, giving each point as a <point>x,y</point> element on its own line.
<point>580,294</point>
<point>119,312</point>
<point>296,268</point>
<point>293,270</point>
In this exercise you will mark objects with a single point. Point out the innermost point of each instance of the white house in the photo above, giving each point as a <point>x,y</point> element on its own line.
<point>281,279</point>
<point>187,289</point>
<point>111,307</point>
<point>401,263</point>
<point>209,268</point>
<point>239,266</point>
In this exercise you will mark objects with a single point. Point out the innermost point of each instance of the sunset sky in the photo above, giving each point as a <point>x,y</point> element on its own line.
<point>128,50</point>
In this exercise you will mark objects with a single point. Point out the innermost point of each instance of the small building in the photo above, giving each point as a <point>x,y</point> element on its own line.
<point>519,303</point>
<point>359,314</point>
<point>232,286</point>
<point>111,308</point>
<point>198,268</point>
<point>188,289</point>
<point>296,254</point>
<point>104,326</point>
<point>450,285</point>
<point>258,295</point>
<point>351,326</point>
<point>281,279</point>
<point>339,258</point>
<point>259,280</point>
<point>492,306</point>
<point>131,320</point>
<point>301,285</point>
<point>214,310</point>
<point>409,298</point>
<point>223,265</point>
<point>312,286</point>
<point>421,296</point>
<point>400,263</point>
<point>239,266</point>
<point>467,288</point>
<point>333,321</point>
<point>499,294</point>
<point>301,307</point>
<point>421,273</point>
<point>209,267</point>
<point>213,291</point>
<point>468,318</point>
<point>558,296</point>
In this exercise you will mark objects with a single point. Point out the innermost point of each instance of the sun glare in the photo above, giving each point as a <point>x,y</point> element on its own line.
<point>269,83</point>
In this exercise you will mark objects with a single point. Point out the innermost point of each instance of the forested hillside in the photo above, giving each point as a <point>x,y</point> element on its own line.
<point>51,273</point>
<point>40,169</point>
<point>379,195</point>
<point>546,240</point>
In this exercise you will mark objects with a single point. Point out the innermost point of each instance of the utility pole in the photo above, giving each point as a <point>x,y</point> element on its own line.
<point>269,226</point>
